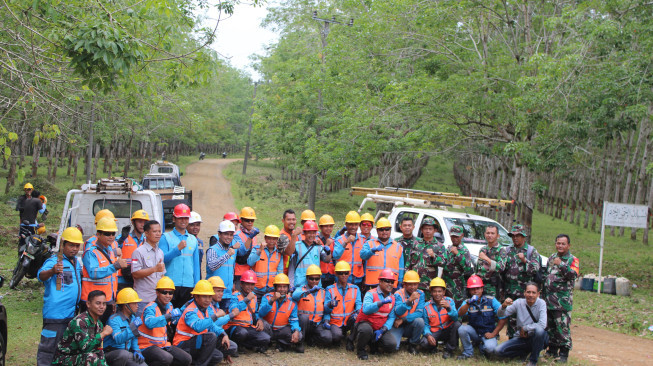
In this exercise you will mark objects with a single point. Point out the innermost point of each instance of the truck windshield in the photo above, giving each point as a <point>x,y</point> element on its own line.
<point>120,208</point>
<point>475,230</point>
<point>165,169</point>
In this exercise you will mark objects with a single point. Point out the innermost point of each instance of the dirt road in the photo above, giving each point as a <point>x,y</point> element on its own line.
<point>212,198</point>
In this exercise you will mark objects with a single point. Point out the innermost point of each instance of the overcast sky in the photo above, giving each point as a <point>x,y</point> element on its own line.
<point>240,36</point>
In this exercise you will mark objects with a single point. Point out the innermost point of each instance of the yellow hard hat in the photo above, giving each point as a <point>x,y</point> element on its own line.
<point>127,296</point>
<point>40,230</point>
<point>203,287</point>
<point>367,217</point>
<point>353,217</point>
<point>28,186</point>
<point>106,224</point>
<point>307,215</point>
<point>326,220</point>
<point>272,231</point>
<point>103,213</point>
<point>438,282</point>
<point>165,283</point>
<point>216,281</point>
<point>383,223</point>
<point>313,270</point>
<point>342,266</point>
<point>140,215</point>
<point>248,213</point>
<point>281,279</point>
<point>410,276</point>
<point>73,235</point>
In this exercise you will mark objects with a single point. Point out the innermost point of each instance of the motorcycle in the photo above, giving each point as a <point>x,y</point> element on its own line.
<point>202,155</point>
<point>33,252</point>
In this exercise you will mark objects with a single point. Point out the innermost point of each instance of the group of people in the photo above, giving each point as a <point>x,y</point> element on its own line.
<point>140,297</point>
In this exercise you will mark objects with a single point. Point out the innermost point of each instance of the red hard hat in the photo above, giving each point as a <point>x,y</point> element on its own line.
<point>387,274</point>
<point>181,210</point>
<point>474,281</point>
<point>310,226</point>
<point>231,216</point>
<point>248,276</point>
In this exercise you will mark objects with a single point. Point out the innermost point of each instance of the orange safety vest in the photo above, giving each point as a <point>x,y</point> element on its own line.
<point>402,294</point>
<point>153,337</point>
<point>438,320</point>
<point>346,304</point>
<point>184,331</point>
<point>92,240</point>
<point>240,268</point>
<point>108,284</point>
<point>386,258</point>
<point>380,317</point>
<point>312,305</point>
<point>279,317</point>
<point>326,267</point>
<point>128,248</point>
<point>244,318</point>
<point>352,255</point>
<point>266,269</point>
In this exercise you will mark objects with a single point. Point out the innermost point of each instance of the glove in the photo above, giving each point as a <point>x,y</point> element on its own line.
<point>242,306</point>
<point>326,326</point>
<point>473,300</point>
<point>379,333</point>
<point>314,289</point>
<point>176,313</point>
<point>387,300</point>
<point>253,233</point>
<point>353,317</point>
<point>138,357</point>
<point>377,248</point>
<point>214,316</point>
<point>333,303</point>
<point>327,250</point>
<point>137,322</point>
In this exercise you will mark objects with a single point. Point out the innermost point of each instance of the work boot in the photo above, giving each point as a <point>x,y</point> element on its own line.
<point>462,357</point>
<point>412,349</point>
<point>349,345</point>
<point>281,347</point>
<point>300,348</point>
<point>446,354</point>
<point>552,352</point>
<point>362,355</point>
<point>564,354</point>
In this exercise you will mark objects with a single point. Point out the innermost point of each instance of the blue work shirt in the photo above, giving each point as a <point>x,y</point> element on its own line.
<point>124,335</point>
<point>61,304</point>
<point>367,253</point>
<point>401,307</point>
<point>222,265</point>
<point>370,307</point>
<point>255,257</point>
<point>183,267</point>
<point>151,320</point>
<point>339,250</point>
<point>343,295</point>
<point>452,312</point>
<point>92,264</point>
<point>265,307</point>
<point>217,326</point>
<point>297,272</point>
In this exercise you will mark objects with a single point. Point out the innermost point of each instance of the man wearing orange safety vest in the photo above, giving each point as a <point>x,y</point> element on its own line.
<point>289,235</point>
<point>348,247</point>
<point>324,238</point>
<point>409,307</point>
<point>441,320</point>
<point>246,329</point>
<point>246,237</point>
<point>101,266</point>
<point>193,334</point>
<point>307,252</point>
<point>266,261</point>
<point>225,345</point>
<point>310,307</point>
<point>128,242</point>
<point>341,305</point>
<point>91,241</point>
<point>279,313</point>
<point>381,253</point>
<point>153,333</point>
<point>376,317</point>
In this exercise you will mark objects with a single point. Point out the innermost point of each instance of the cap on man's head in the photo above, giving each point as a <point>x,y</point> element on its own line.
<point>518,229</point>
<point>456,231</point>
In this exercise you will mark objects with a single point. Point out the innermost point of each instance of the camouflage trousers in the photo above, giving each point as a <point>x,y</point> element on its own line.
<point>85,359</point>
<point>558,326</point>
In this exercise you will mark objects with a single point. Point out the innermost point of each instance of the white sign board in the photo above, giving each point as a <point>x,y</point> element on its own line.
<point>625,215</point>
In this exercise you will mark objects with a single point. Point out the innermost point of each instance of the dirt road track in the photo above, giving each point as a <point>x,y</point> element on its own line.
<point>212,198</point>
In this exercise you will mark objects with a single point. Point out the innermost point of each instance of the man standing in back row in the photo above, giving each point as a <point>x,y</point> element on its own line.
<point>491,262</point>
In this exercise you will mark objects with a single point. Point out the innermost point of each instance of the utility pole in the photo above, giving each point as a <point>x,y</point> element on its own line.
<point>249,132</point>
<point>324,33</point>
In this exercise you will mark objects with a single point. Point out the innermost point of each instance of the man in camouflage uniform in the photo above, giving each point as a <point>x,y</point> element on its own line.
<point>491,263</point>
<point>458,266</point>
<point>408,241</point>
<point>81,343</point>
<point>425,256</point>
<point>561,272</point>
<point>521,267</point>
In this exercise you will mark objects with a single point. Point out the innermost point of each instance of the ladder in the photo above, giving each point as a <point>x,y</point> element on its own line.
<point>417,198</point>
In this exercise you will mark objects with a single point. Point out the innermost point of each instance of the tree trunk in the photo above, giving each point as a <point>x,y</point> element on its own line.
<point>11,174</point>
<point>96,158</point>
<point>75,165</point>
<point>641,176</point>
<point>35,158</point>
<point>57,153</point>
<point>400,171</point>
<point>128,155</point>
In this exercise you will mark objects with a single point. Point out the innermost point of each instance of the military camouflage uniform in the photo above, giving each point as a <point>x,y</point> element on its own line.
<point>457,268</point>
<point>81,343</point>
<point>558,294</point>
<point>408,244</point>
<point>425,266</point>
<point>490,273</point>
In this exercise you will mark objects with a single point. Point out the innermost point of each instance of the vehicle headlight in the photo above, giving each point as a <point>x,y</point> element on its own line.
<point>31,248</point>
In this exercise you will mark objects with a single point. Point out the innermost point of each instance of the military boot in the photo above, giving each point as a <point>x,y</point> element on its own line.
<point>552,352</point>
<point>564,354</point>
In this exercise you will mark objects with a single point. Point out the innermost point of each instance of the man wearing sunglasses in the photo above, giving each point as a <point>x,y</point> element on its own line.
<point>310,305</point>
<point>409,309</point>
<point>100,270</point>
<point>341,306</point>
<point>279,313</point>
<point>348,248</point>
<point>377,317</point>
<point>382,253</point>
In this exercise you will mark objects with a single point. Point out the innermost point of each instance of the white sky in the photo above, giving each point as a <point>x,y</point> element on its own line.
<point>241,35</point>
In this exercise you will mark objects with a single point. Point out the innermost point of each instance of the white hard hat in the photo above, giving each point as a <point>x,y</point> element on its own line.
<point>194,217</point>
<point>225,226</point>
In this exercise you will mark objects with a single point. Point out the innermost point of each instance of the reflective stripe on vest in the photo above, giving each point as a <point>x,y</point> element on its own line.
<point>184,331</point>
<point>438,320</point>
<point>152,337</point>
<point>326,268</point>
<point>279,317</point>
<point>312,305</point>
<point>402,294</point>
<point>353,256</point>
<point>381,316</point>
<point>389,258</point>
<point>244,318</point>
<point>240,268</point>
<point>266,268</point>
<point>108,284</point>
<point>482,316</point>
<point>128,247</point>
<point>341,313</point>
